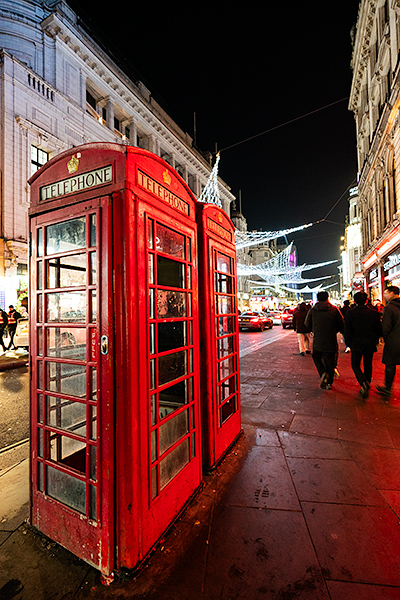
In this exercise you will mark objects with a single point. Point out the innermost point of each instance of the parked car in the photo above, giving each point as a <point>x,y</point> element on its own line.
<point>275,315</point>
<point>254,320</point>
<point>21,337</point>
<point>287,318</point>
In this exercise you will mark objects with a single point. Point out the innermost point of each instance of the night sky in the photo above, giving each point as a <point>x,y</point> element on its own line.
<point>244,70</point>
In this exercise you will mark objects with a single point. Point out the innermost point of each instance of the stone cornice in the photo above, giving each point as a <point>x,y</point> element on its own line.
<point>130,93</point>
<point>365,24</point>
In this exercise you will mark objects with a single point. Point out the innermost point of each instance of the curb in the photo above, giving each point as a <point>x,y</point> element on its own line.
<point>13,364</point>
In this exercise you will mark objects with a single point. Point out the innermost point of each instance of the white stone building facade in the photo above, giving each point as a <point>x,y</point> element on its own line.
<point>375,101</point>
<point>352,273</point>
<point>59,89</point>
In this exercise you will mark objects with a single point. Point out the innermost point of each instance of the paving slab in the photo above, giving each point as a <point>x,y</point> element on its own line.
<point>270,419</point>
<point>365,433</point>
<point>255,554</point>
<point>340,590</point>
<point>319,426</point>
<point>380,465</point>
<point>36,568</point>
<point>332,480</point>
<point>263,482</point>
<point>298,445</point>
<point>355,543</point>
<point>14,496</point>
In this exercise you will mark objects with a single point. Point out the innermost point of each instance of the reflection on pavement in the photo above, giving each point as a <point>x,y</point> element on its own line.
<point>250,341</point>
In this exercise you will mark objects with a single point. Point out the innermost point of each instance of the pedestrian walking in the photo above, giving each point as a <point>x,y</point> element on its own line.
<point>13,317</point>
<point>362,330</point>
<point>391,336</point>
<point>3,325</point>
<point>303,332</point>
<point>346,307</point>
<point>325,321</point>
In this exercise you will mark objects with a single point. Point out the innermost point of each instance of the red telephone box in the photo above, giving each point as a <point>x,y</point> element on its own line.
<point>115,402</point>
<point>219,332</point>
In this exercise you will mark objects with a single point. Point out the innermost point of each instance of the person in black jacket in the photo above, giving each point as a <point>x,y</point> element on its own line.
<point>325,321</point>
<point>362,331</point>
<point>3,325</point>
<point>13,317</point>
<point>391,335</point>
<point>303,333</point>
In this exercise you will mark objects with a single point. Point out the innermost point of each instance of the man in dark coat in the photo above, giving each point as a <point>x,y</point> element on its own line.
<point>325,321</point>
<point>391,336</point>
<point>362,331</point>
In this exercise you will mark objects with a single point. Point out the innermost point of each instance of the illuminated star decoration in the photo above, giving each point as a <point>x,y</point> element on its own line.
<point>210,193</point>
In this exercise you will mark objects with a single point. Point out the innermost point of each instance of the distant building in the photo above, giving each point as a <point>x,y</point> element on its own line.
<point>375,101</point>
<point>351,272</point>
<point>243,257</point>
<point>59,89</point>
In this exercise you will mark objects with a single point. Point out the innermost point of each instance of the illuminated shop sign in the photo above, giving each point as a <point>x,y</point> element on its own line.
<point>155,188</point>
<point>393,260</point>
<point>78,183</point>
<point>219,230</point>
<point>373,274</point>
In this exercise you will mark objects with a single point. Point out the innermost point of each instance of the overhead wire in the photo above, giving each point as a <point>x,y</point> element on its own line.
<point>312,112</point>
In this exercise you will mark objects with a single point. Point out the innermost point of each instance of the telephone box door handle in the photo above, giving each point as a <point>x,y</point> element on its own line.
<point>104,344</point>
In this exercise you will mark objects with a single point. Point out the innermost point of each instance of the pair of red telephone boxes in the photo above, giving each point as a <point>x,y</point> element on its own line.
<point>134,349</point>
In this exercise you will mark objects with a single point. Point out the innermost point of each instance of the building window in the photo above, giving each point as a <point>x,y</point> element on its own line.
<point>22,269</point>
<point>38,158</point>
<point>91,100</point>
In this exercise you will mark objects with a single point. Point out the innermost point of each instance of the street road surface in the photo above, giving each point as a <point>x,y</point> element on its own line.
<point>14,406</point>
<point>249,341</point>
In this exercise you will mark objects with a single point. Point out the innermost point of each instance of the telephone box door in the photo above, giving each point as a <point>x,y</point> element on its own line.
<point>218,302</point>
<point>71,348</point>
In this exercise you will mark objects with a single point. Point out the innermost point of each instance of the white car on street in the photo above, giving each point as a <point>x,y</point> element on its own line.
<point>21,338</point>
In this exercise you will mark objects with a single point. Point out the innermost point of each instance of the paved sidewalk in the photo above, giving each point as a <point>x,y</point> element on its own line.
<point>305,506</point>
<point>11,359</point>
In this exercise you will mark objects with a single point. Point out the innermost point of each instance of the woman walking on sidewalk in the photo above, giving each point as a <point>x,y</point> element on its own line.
<point>303,332</point>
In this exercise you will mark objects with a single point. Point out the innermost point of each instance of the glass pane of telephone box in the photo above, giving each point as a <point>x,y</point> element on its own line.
<point>66,342</point>
<point>171,304</point>
<point>170,272</point>
<point>173,430</point>
<point>66,414</point>
<point>223,263</point>
<point>65,236</point>
<point>172,398</point>
<point>171,335</point>
<point>66,489</point>
<point>172,366</point>
<point>67,271</point>
<point>174,462</point>
<point>226,346</point>
<point>170,242</point>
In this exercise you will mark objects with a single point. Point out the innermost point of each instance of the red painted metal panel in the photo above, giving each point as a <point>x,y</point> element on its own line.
<point>221,420</point>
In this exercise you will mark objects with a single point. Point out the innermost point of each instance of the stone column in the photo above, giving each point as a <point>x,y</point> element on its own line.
<point>110,114</point>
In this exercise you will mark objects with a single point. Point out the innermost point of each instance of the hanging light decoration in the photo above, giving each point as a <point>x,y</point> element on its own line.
<point>210,193</point>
